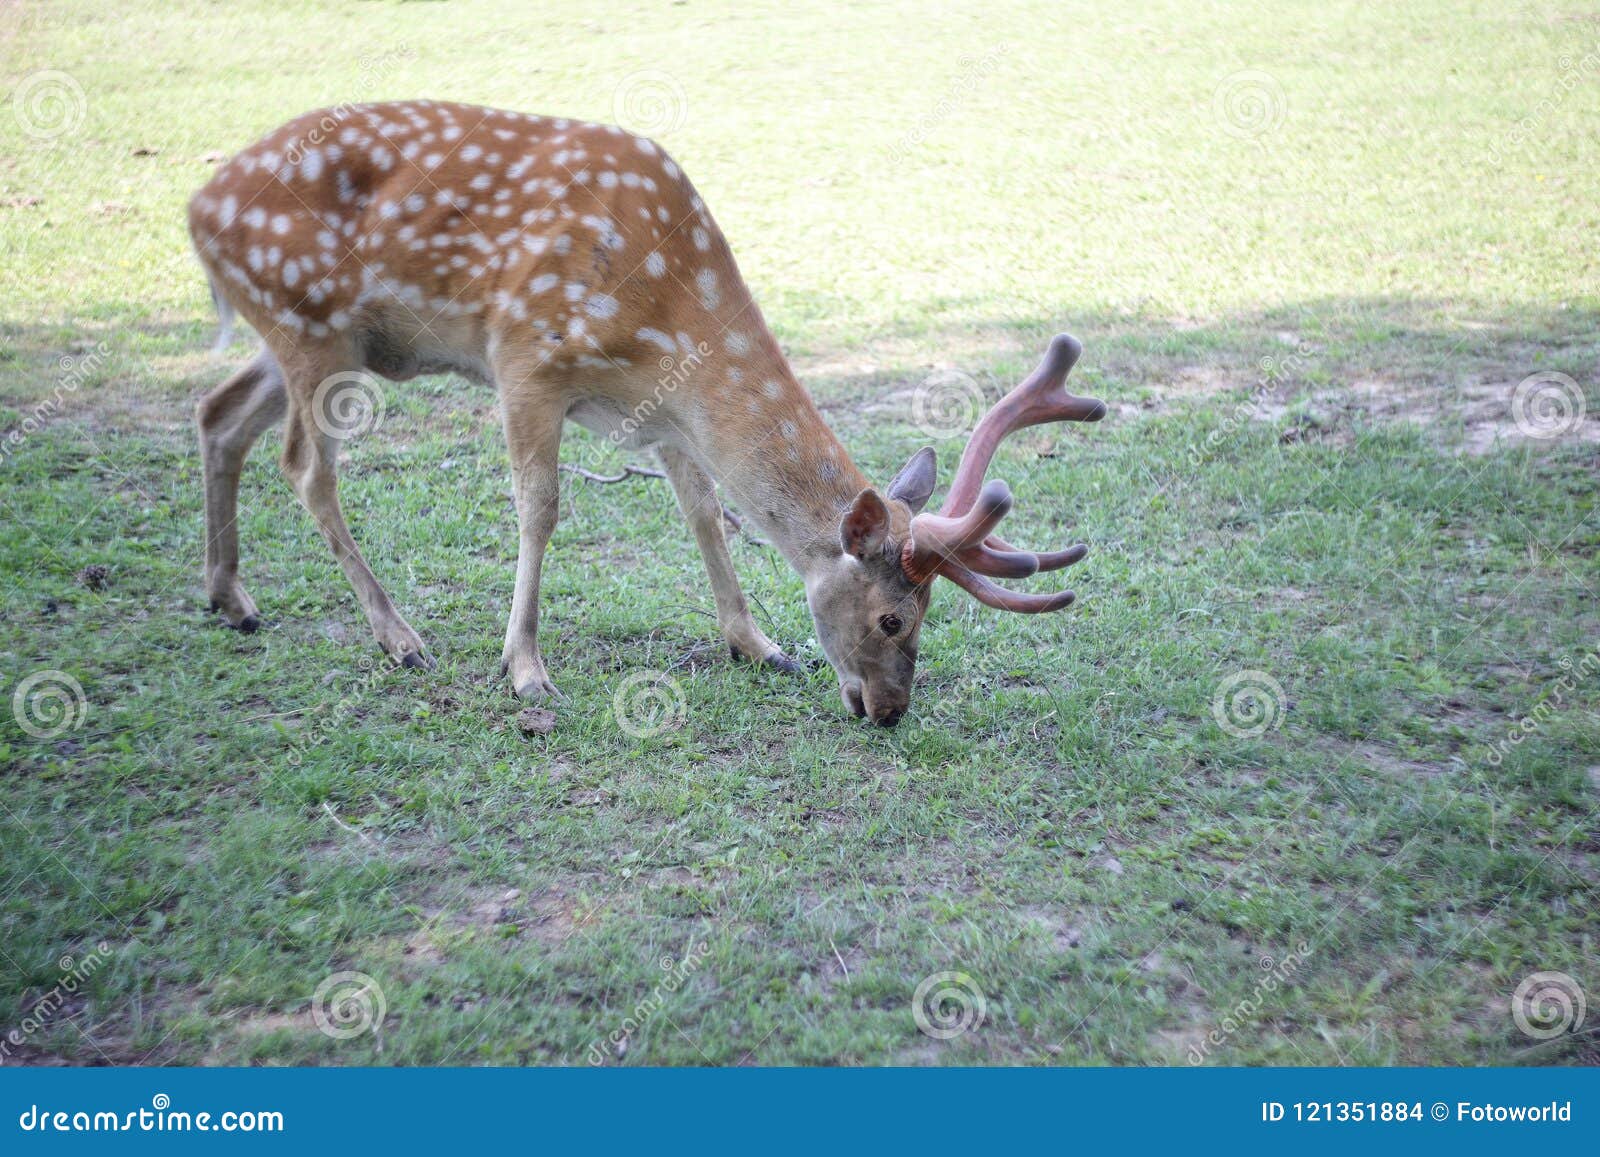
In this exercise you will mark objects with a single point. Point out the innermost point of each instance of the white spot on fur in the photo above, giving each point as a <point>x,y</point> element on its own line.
<point>710,294</point>
<point>655,265</point>
<point>656,337</point>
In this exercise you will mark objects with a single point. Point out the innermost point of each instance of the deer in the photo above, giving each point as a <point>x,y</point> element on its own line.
<point>563,263</point>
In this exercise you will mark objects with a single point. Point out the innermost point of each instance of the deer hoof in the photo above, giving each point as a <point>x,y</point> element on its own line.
<point>249,625</point>
<point>535,690</point>
<point>778,661</point>
<point>418,661</point>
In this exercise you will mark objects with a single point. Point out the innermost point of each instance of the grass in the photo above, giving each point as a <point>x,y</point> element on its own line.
<point>1310,480</point>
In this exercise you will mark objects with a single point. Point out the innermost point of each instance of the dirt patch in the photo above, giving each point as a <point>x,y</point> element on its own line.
<point>1376,757</point>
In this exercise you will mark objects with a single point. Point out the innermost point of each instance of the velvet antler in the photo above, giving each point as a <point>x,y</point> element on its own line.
<point>958,541</point>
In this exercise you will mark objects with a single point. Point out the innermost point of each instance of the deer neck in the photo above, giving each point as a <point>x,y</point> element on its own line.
<point>768,445</point>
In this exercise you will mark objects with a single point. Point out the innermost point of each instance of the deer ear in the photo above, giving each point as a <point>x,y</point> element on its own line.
<point>915,481</point>
<point>865,524</point>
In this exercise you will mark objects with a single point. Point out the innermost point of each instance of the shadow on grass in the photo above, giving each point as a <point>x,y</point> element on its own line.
<point>1416,358</point>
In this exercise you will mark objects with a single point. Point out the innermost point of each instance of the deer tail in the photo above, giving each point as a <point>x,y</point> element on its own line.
<point>225,317</point>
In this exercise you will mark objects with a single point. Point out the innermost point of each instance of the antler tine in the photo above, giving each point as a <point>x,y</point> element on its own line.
<point>1041,397</point>
<point>938,539</point>
<point>957,542</point>
<point>1047,560</point>
<point>1001,599</point>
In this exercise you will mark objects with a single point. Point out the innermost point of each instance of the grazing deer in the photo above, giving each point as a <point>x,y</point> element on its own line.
<point>564,263</point>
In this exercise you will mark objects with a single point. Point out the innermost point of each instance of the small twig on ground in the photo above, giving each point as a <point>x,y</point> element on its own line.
<point>733,519</point>
<point>357,832</point>
<point>607,479</point>
<point>839,958</point>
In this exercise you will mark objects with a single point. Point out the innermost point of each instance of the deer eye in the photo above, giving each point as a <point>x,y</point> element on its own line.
<point>891,624</point>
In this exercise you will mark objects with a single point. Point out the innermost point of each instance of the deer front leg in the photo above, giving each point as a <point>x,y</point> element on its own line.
<point>533,437</point>
<point>697,497</point>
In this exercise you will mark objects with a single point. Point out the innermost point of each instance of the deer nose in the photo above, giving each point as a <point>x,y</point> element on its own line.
<point>890,717</point>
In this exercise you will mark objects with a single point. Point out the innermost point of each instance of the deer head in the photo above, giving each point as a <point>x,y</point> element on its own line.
<point>869,602</point>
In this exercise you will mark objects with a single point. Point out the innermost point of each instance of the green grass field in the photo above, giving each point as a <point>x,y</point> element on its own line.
<point>1308,776</point>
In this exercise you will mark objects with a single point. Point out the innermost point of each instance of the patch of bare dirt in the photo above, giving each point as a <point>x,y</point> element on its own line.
<point>1376,757</point>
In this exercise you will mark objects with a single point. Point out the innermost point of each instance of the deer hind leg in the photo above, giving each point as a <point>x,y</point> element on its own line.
<point>533,439</point>
<point>310,460</point>
<point>697,497</point>
<point>231,418</point>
